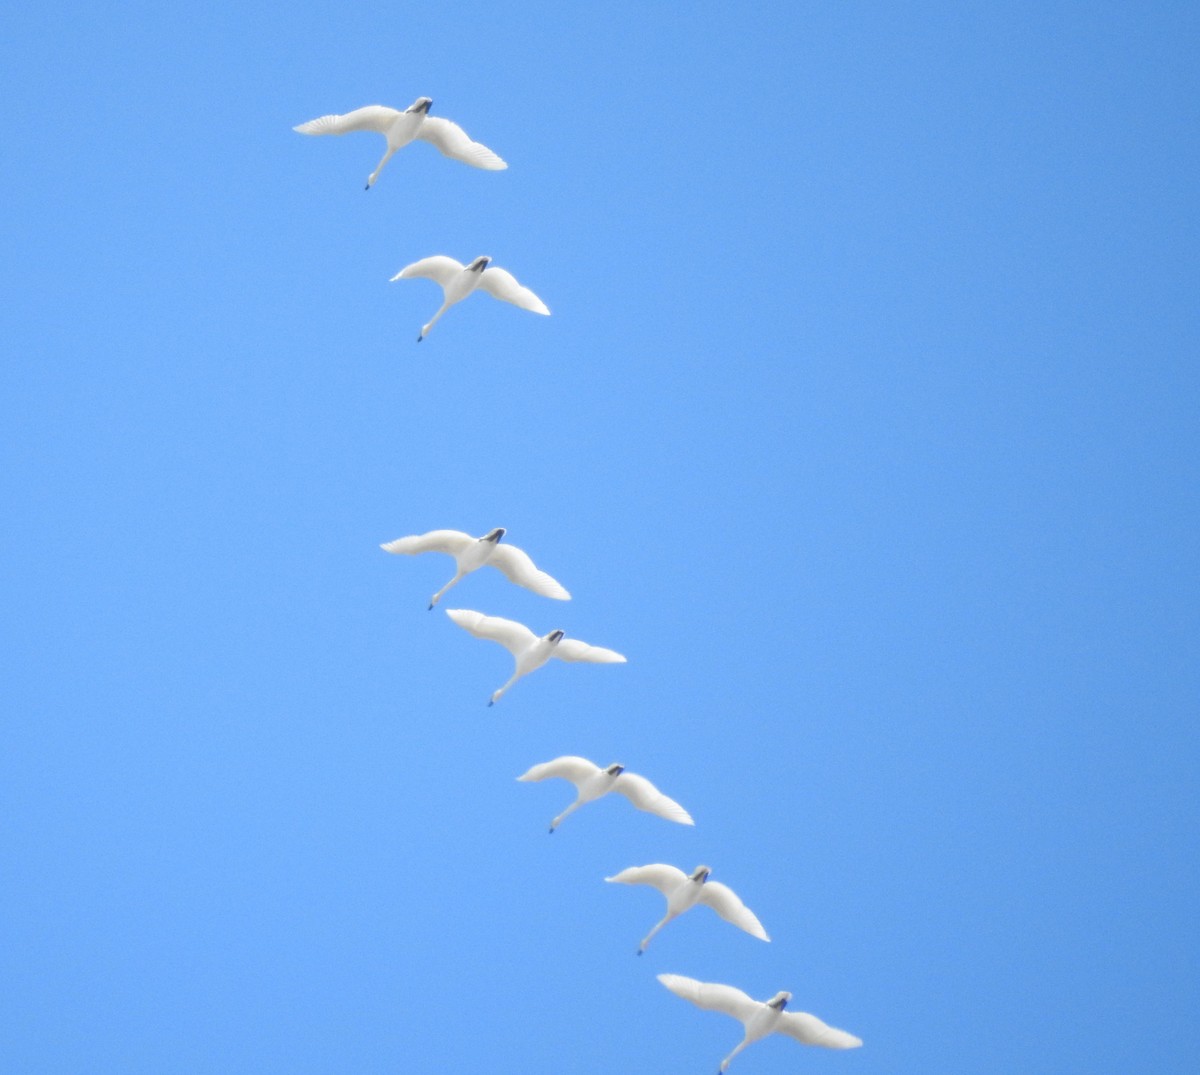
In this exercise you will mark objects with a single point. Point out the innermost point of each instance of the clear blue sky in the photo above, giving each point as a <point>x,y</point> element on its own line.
<point>865,425</point>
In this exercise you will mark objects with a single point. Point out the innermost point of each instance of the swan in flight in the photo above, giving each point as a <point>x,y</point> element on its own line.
<point>458,281</point>
<point>591,782</point>
<point>759,1018</point>
<point>400,128</point>
<point>529,651</point>
<point>684,891</point>
<point>472,553</point>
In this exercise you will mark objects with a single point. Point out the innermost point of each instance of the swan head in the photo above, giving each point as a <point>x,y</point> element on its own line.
<point>555,637</point>
<point>615,769</point>
<point>700,874</point>
<point>421,104</point>
<point>779,1001</point>
<point>479,264</point>
<point>494,536</point>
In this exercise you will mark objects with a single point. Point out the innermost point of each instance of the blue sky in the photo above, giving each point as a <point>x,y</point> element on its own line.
<point>865,425</point>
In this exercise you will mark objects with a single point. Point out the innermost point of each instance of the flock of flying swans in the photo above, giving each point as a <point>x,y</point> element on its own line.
<point>530,652</point>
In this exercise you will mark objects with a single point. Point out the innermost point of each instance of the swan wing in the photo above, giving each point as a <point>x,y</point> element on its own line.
<point>722,899</point>
<point>452,141</point>
<point>514,637</point>
<point>645,796</point>
<point>371,118</point>
<point>441,268</point>
<point>451,542</point>
<point>569,767</point>
<point>811,1031</point>
<point>711,996</point>
<point>665,878</point>
<point>501,284</point>
<point>519,568</point>
<point>571,649</point>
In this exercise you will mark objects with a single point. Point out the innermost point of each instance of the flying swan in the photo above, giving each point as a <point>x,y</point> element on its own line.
<point>591,782</point>
<point>684,891</point>
<point>759,1019</point>
<point>458,281</point>
<point>529,651</point>
<point>472,553</point>
<point>400,128</point>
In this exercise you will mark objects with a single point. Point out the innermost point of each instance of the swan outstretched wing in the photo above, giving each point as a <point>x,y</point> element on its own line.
<point>712,996</point>
<point>441,268</point>
<point>722,899</point>
<point>811,1031</point>
<point>451,140</point>
<point>514,637</point>
<point>501,284</point>
<point>371,118</point>
<point>571,649</point>
<point>665,878</point>
<point>569,767</point>
<point>519,568</point>
<point>645,796</point>
<point>451,542</point>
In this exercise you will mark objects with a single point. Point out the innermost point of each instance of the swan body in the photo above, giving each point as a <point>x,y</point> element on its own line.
<point>528,650</point>
<point>685,891</point>
<point>400,128</point>
<point>471,553</point>
<point>759,1018</point>
<point>458,281</point>
<point>591,783</point>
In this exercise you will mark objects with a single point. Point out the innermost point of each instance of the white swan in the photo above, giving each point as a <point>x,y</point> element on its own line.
<point>458,281</point>
<point>591,782</point>
<point>758,1018</point>
<point>471,553</point>
<point>400,128</point>
<point>529,651</point>
<point>684,891</point>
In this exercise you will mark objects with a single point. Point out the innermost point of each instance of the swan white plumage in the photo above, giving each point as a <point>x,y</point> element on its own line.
<point>528,650</point>
<point>400,128</point>
<point>684,891</point>
<point>591,782</point>
<point>471,553</point>
<point>458,281</point>
<point>757,1017</point>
